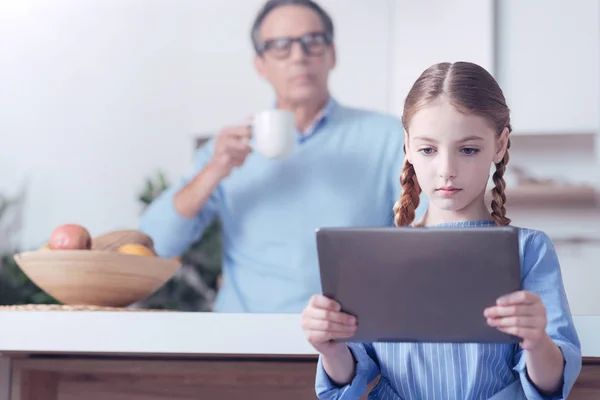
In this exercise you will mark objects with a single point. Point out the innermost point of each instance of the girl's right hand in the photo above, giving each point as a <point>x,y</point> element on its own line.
<point>322,321</point>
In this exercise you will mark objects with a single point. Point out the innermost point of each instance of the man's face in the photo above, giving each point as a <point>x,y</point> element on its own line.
<point>296,76</point>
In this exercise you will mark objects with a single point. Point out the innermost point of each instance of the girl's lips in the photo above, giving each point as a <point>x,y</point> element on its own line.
<point>447,192</point>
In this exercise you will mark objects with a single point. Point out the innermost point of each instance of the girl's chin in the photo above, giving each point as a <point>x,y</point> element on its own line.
<point>450,204</point>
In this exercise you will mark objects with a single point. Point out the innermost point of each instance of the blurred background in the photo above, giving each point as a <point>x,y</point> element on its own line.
<point>103,103</point>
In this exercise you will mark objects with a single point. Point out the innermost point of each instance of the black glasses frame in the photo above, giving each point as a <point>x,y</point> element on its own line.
<point>306,43</point>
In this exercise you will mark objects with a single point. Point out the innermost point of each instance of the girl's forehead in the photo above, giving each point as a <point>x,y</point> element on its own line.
<point>440,120</point>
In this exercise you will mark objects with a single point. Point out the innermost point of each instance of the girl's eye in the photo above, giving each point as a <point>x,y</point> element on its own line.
<point>469,151</point>
<point>427,151</point>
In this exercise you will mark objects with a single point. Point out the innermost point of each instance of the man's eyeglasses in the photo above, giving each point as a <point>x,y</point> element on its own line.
<point>313,44</point>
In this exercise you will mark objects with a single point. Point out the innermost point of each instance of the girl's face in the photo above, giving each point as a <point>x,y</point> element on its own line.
<point>452,154</point>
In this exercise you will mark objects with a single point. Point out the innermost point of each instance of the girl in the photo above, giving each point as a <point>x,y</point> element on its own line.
<point>456,125</point>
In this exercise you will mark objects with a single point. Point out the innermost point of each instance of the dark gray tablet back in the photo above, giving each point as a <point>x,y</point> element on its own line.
<point>420,284</point>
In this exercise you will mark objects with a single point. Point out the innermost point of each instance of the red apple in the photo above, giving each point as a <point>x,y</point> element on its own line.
<point>70,237</point>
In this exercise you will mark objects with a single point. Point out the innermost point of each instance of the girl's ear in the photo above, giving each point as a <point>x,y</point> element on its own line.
<point>407,148</point>
<point>501,145</point>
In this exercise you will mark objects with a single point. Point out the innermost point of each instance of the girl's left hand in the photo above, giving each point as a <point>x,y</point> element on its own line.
<point>521,314</point>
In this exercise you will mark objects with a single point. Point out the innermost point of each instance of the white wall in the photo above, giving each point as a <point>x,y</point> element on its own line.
<point>549,52</point>
<point>98,94</point>
<point>433,31</point>
<point>95,96</point>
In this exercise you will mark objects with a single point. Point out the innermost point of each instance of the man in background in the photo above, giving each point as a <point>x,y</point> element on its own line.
<point>344,171</point>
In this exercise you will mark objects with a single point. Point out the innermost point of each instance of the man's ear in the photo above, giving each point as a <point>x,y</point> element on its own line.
<point>333,57</point>
<point>259,65</point>
<point>501,146</point>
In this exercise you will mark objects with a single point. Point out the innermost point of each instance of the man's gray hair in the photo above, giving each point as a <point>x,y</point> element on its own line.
<point>273,4</point>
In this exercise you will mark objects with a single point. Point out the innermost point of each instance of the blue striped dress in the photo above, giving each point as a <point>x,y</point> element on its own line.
<point>447,371</point>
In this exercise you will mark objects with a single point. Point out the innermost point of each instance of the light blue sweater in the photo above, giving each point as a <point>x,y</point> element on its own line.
<point>343,172</point>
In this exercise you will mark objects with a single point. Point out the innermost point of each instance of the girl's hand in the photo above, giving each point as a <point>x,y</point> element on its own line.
<point>521,314</point>
<point>322,322</point>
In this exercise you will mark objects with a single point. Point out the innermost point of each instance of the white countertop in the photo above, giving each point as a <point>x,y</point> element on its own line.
<point>180,333</point>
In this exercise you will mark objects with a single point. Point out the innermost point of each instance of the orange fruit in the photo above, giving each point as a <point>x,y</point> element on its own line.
<point>136,250</point>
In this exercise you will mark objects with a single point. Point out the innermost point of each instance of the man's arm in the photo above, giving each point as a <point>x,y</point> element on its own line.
<point>178,217</point>
<point>194,195</point>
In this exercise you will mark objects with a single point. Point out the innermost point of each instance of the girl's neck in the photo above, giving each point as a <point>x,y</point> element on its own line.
<point>476,211</point>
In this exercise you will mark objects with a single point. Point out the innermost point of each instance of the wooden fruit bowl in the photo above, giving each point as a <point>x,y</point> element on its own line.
<point>97,278</point>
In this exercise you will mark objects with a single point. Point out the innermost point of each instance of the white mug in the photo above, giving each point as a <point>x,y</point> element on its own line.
<point>274,133</point>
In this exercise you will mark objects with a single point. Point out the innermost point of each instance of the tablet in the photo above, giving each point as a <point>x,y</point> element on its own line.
<point>420,284</point>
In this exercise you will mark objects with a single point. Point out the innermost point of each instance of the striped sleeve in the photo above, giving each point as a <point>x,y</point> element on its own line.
<point>543,277</point>
<point>367,369</point>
